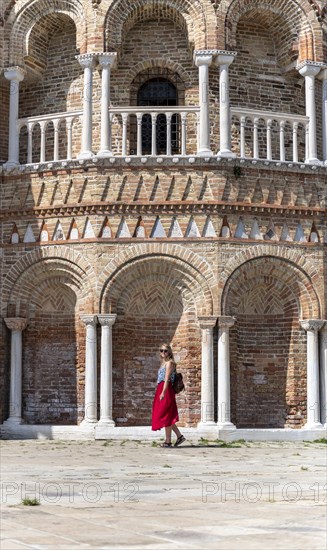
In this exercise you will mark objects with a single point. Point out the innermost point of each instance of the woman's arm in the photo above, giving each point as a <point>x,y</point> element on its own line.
<point>169,371</point>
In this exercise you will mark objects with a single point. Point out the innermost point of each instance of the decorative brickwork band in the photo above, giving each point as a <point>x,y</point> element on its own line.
<point>207,370</point>
<point>323,374</point>
<point>106,322</point>
<point>90,369</point>
<point>15,75</point>
<point>312,327</point>
<point>16,325</point>
<point>224,418</point>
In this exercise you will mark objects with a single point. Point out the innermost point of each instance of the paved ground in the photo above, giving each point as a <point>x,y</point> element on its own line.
<point>129,494</point>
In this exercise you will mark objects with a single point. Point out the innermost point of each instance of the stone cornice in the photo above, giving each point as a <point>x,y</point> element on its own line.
<point>308,62</point>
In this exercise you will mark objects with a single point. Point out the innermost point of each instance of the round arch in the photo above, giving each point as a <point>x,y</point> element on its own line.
<point>23,22</point>
<point>197,20</point>
<point>47,263</point>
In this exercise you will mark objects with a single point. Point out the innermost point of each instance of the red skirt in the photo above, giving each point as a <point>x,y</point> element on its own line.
<point>164,413</point>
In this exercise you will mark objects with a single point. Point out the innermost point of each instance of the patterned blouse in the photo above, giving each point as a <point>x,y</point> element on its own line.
<point>162,375</point>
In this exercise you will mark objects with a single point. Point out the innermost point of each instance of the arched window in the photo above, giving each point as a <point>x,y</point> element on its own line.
<point>158,92</point>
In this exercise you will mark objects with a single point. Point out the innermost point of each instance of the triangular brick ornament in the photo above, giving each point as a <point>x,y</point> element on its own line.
<point>300,198</point>
<point>240,232</point>
<point>192,229</point>
<point>14,239</point>
<point>58,234</point>
<point>272,195</point>
<point>255,232</point>
<point>105,232</point>
<point>29,235</point>
<point>209,230</point>
<point>257,196</point>
<point>141,191</point>
<point>299,234</point>
<point>270,234</point>
<point>73,233</point>
<point>189,192</point>
<point>139,231</point>
<point>156,192</point>
<point>175,229</point>
<point>88,232</point>
<point>205,191</point>
<point>44,233</point>
<point>158,230</point>
<point>174,193</point>
<point>314,235</point>
<point>225,231</point>
<point>285,235</point>
<point>123,231</point>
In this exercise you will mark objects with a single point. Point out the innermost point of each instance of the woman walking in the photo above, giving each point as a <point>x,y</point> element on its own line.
<point>164,409</point>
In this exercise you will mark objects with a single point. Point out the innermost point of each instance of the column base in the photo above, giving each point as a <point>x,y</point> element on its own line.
<point>206,424</point>
<point>314,161</point>
<point>107,422</point>
<point>14,421</point>
<point>226,426</point>
<point>10,164</point>
<point>104,154</point>
<point>313,426</point>
<point>226,154</point>
<point>90,423</point>
<point>85,155</point>
<point>204,153</point>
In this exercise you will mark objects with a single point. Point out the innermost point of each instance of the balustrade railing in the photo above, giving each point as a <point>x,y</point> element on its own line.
<point>270,136</point>
<point>51,123</point>
<point>153,130</point>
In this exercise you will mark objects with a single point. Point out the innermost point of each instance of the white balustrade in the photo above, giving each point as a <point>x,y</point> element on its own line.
<point>51,124</point>
<point>174,121</point>
<point>249,118</point>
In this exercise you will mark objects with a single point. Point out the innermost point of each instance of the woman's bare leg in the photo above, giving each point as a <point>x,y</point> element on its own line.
<point>168,434</point>
<point>176,430</point>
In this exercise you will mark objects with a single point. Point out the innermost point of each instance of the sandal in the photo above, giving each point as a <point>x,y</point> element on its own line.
<point>165,444</point>
<point>179,440</point>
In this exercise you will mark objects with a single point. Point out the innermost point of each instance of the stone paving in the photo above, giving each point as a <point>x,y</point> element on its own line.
<point>133,494</point>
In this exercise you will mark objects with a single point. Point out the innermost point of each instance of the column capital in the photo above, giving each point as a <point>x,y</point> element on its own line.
<point>14,73</point>
<point>203,57</point>
<point>309,68</point>
<point>107,320</point>
<point>16,323</point>
<point>207,321</point>
<point>87,60</point>
<point>89,319</point>
<point>226,322</point>
<point>323,72</point>
<point>107,59</point>
<point>312,324</point>
<point>224,57</point>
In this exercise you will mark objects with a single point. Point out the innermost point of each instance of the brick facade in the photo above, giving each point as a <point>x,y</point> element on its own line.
<point>162,243</point>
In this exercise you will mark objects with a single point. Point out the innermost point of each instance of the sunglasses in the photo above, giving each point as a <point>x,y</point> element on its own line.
<point>163,351</point>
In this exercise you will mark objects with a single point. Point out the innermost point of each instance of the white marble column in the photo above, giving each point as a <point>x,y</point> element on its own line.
<point>106,322</point>
<point>15,75</point>
<point>312,327</point>
<point>323,374</point>
<point>224,400</point>
<point>323,77</point>
<point>309,70</point>
<point>207,371</point>
<point>223,60</point>
<point>87,61</point>
<point>90,415</point>
<point>203,59</point>
<point>107,62</point>
<point>16,325</point>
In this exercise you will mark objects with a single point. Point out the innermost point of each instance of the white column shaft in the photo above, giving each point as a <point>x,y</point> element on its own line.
<point>255,139</point>
<point>15,403</point>
<point>153,134</point>
<point>106,322</point>
<point>269,146</point>
<point>90,370</point>
<point>124,136</point>
<point>309,71</point>
<point>323,374</point>
<point>184,122</point>
<point>295,147</point>
<point>139,134</point>
<point>313,412</point>
<point>224,402</point>
<point>203,62</point>
<point>15,75</point>
<point>242,137</point>
<point>56,139</point>
<point>106,61</point>
<point>168,146</point>
<point>207,377</point>
<point>87,62</point>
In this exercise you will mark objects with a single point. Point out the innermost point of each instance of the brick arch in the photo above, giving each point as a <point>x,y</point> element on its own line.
<point>287,17</point>
<point>189,270</point>
<point>55,294</point>
<point>198,19</point>
<point>154,63</point>
<point>269,285</point>
<point>31,13</point>
<point>44,263</point>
